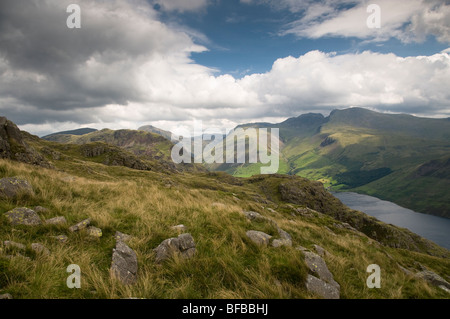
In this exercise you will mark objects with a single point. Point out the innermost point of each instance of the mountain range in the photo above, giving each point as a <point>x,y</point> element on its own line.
<point>396,157</point>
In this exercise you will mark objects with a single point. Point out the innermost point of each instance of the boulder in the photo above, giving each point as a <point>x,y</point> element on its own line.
<point>61,238</point>
<point>94,232</point>
<point>122,237</point>
<point>183,245</point>
<point>258,237</point>
<point>10,187</point>
<point>254,216</point>
<point>81,225</point>
<point>284,235</point>
<point>59,220</point>
<point>14,147</point>
<point>322,288</point>
<point>6,296</point>
<point>318,267</point>
<point>320,251</point>
<point>23,216</point>
<point>281,242</point>
<point>124,263</point>
<point>12,244</point>
<point>40,249</point>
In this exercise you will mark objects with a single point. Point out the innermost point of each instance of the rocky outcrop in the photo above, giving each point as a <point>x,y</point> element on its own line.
<point>113,156</point>
<point>434,279</point>
<point>183,245</point>
<point>12,187</point>
<point>124,263</point>
<point>23,216</point>
<point>14,147</point>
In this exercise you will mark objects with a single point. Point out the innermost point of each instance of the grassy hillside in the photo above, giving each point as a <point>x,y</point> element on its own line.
<point>227,265</point>
<point>146,204</point>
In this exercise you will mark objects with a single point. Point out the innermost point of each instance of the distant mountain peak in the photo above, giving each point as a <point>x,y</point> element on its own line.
<point>78,132</point>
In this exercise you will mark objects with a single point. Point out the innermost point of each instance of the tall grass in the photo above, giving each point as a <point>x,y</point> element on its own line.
<point>227,264</point>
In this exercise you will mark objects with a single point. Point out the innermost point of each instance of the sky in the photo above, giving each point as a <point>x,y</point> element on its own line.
<point>224,62</point>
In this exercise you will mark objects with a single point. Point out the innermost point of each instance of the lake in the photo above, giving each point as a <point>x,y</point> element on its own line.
<point>436,229</point>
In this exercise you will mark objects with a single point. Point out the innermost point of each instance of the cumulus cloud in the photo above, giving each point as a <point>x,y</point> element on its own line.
<point>125,68</point>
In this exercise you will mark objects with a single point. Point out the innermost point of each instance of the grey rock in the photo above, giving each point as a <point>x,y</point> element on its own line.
<point>18,256</point>
<point>284,235</point>
<point>259,237</point>
<point>59,220</point>
<point>94,232</point>
<point>122,237</point>
<point>433,278</point>
<point>186,242</point>
<point>254,216</point>
<point>322,288</point>
<point>124,263</point>
<point>301,248</point>
<point>6,296</point>
<point>23,216</point>
<point>318,266</point>
<point>330,231</point>
<point>11,187</point>
<point>81,225</point>
<point>61,238</point>
<point>320,251</point>
<point>12,244</point>
<point>281,242</point>
<point>183,245</point>
<point>40,249</point>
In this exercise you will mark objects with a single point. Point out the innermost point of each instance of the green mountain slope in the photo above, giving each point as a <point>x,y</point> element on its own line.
<point>146,204</point>
<point>391,156</point>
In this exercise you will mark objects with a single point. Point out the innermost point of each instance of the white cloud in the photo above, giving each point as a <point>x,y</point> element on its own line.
<point>125,68</point>
<point>407,20</point>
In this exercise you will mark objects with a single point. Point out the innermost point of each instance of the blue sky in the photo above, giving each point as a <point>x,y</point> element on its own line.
<point>246,38</point>
<point>224,62</point>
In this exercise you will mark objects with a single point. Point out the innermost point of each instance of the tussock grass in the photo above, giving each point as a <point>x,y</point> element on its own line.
<point>227,263</point>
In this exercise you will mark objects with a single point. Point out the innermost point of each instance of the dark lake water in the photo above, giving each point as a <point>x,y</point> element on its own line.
<point>436,229</point>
